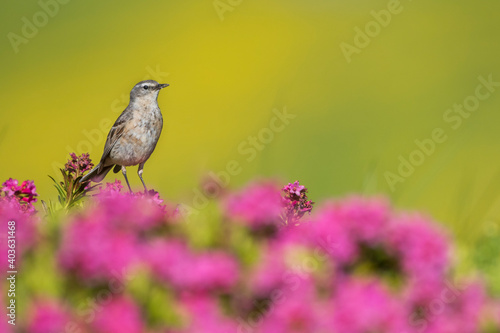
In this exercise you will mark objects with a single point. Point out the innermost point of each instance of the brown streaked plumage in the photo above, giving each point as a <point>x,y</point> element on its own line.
<point>134,135</point>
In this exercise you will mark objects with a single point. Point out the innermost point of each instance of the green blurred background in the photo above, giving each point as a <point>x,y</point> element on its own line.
<point>353,120</point>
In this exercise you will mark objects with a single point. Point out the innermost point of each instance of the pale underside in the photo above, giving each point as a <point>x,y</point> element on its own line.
<point>133,138</point>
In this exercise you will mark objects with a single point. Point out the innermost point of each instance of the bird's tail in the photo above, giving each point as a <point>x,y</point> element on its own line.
<point>97,174</point>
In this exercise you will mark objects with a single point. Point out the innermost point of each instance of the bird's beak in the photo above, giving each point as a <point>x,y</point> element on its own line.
<point>163,85</point>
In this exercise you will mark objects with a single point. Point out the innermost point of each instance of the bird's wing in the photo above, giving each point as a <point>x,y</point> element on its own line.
<point>115,133</point>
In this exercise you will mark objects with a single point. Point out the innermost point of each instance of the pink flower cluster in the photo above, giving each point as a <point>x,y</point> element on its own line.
<point>110,236</point>
<point>295,202</point>
<point>25,194</point>
<point>356,266</point>
<point>16,205</point>
<point>78,165</point>
<point>258,205</point>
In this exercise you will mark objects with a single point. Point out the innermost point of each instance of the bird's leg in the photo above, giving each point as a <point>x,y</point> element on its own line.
<point>139,172</point>
<point>124,171</point>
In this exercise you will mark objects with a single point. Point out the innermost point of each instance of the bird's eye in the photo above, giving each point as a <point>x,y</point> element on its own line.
<point>145,87</point>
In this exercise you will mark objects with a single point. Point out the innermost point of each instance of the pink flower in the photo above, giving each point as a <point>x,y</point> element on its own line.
<point>174,263</point>
<point>209,270</point>
<point>93,250</point>
<point>25,194</point>
<point>28,188</point>
<point>49,317</point>
<point>135,210</point>
<point>344,229</point>
<point>10,187</point>
<point>161,255</point>
<point>16,225</point>
<point>366,219</point>
<point>422,248</point>
<point>5,327</point>
<point>452,309</point>
<point>269,273</point>
<point>295,203</point>
<point>204,315</point>
<point>114,190</point>
<point>107,238</point>
<point>294,189</point>
<point>257,205</point>
<point>330,235</point>
<point>294,309</point>
<point>356,266</point>
<point>78,165</point>
<point>153,196</point>
<point>366,306</point>
<point>121,314</point>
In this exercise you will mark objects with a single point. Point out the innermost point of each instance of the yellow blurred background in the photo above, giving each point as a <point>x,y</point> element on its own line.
<point>232,64</point>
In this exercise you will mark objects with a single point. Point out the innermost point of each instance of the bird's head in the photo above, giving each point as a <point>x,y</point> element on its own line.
<point>146,90</point>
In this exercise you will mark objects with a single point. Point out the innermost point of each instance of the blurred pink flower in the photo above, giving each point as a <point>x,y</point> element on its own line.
<point>24,194</point>
<point>207,271</point>
<point>28,189</point>
<point>134,210</point>
<point>451,310</point>
<point>93,250</point>
<point>205,315</point>
<point>366,306</point>
<point>121,314</point>
<point>366,219</point>
<point>5,327</point>
<point>10,187</point>
<point>340,228</point>
<point>291,310</point>
<point>421,247</point>
<point>356,266</point>
<point>114,190</point>
<point>107,237</point>
<point>269,273</point>
<point>257,205</point>
<point>24,231</point>
<point>175,264</point>
<point>49,317</point>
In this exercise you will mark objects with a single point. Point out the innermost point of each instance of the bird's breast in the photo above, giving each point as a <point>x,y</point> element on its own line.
<point>138,139</point>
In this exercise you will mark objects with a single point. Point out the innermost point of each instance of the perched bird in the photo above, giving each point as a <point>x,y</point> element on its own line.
<point>134,135</point>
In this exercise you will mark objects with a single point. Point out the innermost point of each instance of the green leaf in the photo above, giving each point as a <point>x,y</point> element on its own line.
<point>62,195</point>
<point>58,187</point>
<point>53,179</point>
<point>46,209</point>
